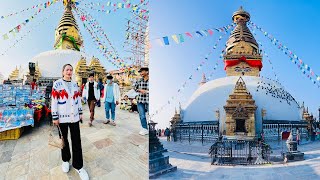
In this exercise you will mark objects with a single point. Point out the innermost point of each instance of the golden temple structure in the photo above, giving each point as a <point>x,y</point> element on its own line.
<point>67,37</point>
<point>100,71</point>
<point>81,70</point>
<point>240,112</point>
<point>176,118</point>
<point>15,74</point>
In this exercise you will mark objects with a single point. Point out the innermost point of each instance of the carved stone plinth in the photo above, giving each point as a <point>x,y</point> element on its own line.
<point>158,163</point>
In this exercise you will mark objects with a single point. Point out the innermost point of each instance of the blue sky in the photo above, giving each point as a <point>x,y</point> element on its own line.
<point>41,39</point>
<point>295,23</point>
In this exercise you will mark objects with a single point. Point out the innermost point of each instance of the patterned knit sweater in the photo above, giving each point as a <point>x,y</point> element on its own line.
<point>65,105</point>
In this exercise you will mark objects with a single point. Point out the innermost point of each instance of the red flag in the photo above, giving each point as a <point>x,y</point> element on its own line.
<point>210,31</point>
<point>188,34</point>
<point>83,18</point>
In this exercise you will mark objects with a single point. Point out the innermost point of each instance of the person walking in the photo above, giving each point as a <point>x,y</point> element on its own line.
<point>112,99</point>
<point>66,111</point>
<point>34,85</point>
<point>101,87</point>
<point>167,133</point>
<point>142,87</point>
<point>91,94</point>
<point>298,136</point>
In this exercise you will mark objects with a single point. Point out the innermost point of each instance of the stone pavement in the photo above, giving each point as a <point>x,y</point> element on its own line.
<point>193,162</point>
<point>109,152</point>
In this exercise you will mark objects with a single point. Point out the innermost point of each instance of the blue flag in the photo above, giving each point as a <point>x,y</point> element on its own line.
<point>199,33</point>
<point>166,40</point>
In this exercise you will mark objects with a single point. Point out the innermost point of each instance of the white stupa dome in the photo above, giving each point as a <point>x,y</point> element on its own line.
<point>270,95</point>
<point>51,62</point>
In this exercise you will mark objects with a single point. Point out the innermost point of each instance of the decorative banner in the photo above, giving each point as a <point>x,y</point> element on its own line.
<point>111,4</point>
<point>268,58</point>
<point>143,13</point>
<point>93,22</point>
<point>216,65</point>
<point>170,101</point>
<point>190,78</point>
<point>25,22</point>
<point>64,36</point>
<point>181,37</point>
<point>29,32</point>
<point>120,5</point>
<point>266,55</point>
<point>293,57</point>
<point>95,25</point>
<point>103,49</point>
<point>46,4</point>
<point>250,62</point>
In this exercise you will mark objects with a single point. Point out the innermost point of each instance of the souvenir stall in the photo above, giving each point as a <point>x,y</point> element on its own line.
<point>19,107</point>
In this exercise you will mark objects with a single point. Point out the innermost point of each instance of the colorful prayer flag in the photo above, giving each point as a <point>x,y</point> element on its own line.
<point>199,33</point>
<point>175,38</point>
<point>166,40</point>
<point>5,36</point>
<point>181,38</point>
<point>204,32</point>
<point>188,34</point>
<point>160,42</point>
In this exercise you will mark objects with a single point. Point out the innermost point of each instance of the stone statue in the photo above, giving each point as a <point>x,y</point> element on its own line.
<point>290,138</point>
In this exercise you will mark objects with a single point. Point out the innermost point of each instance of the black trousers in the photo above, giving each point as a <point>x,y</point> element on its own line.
<point>77,160</point>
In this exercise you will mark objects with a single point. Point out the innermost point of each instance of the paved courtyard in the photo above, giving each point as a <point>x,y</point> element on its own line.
<point>109,152</point>
<point>193,162</point>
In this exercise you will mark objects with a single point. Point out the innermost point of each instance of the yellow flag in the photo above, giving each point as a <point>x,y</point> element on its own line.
<point>175,38</point>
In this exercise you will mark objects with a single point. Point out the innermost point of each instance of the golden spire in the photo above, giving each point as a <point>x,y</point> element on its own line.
<point>67,34</point>
<point>242,55</point>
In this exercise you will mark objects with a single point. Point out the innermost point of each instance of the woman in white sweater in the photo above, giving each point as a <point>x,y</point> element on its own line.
<point>66,111</point>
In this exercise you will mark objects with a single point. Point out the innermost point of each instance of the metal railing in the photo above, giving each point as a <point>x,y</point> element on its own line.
<point>272,129</point>
<point>239,152</point>
<point>208,131</point>
<point>204,132</point>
